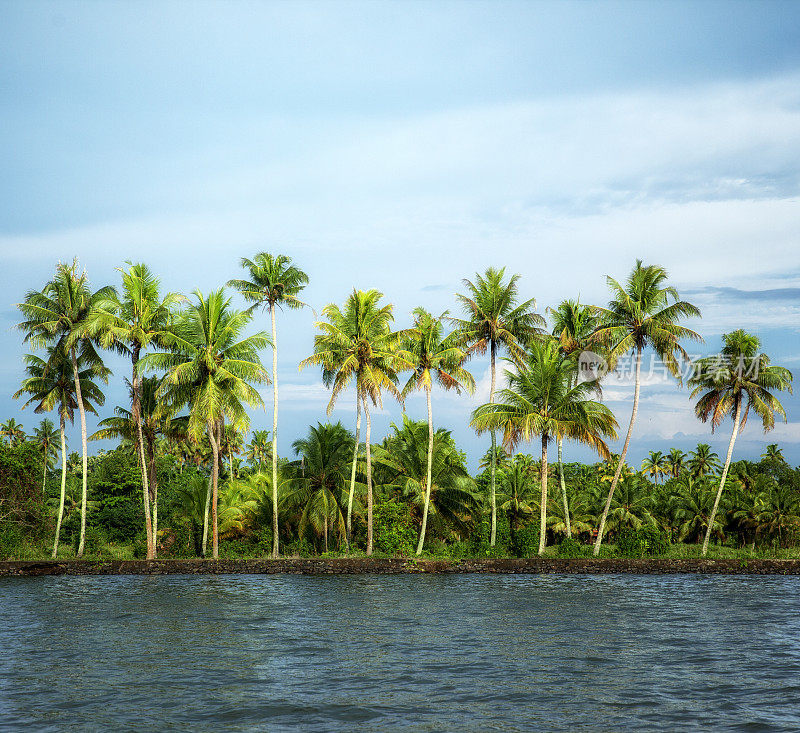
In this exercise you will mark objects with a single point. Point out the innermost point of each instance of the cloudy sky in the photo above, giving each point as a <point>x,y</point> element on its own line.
<point>405,146</point>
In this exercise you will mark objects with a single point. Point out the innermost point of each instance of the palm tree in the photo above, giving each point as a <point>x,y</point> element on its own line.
<point>543,398</point>
<point>449,497</point>
<point>655,465</point>
<point>211,368</point>
<point>632,504</point>
<point>46,437</point>
<point>258,448</point>
<point>232,443</point>
<point>12,430</point>
<point>357,343</point>
<point>50,385</point>
<point>59,314</point>
<point>516,496</point>
<point>154,422</point>
<point>703,461</point>
<point>737,380</point>
<point>773,453</point>
<point>439,357</point>
<point>494,320</point>
<point>129,322</point>
<point>694,510</point>
<point>274,283</point>
<point>639,315</point>
<point>320,489</point>
<point>573,326</point>
<point>675,462</point>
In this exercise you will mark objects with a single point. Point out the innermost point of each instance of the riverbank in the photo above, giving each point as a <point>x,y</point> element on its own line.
<point>393,566</point>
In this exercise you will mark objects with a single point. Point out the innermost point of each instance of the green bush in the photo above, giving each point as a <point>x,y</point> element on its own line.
<point>394,528</point>
<point>10,540</point>
<point>119,517</point>
<point>570,547</point>
<point>93,543</point>
<point>642,542</point>
<point>525,542</point>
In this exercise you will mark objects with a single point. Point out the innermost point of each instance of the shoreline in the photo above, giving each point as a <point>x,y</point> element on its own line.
<point>395,566</point>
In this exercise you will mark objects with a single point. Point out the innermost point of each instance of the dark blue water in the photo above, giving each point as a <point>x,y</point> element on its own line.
<point>412,653</point>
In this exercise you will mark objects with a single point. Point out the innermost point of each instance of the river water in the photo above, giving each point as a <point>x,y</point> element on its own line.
<point>409,653</point>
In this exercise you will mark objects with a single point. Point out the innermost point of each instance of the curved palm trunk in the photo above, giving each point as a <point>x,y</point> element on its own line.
<point>602,527</point>
<point>543,507</point>
<point>205,517</point>
<point>136,414</point>
<point>44,474</point>
<point>430,469</point>
<point>736,419</point>
<point>63,486</point>
<point>563,487</point>
<point>82,412</point>
<point>212,429</point>
<point>151,470</point>
<point>349,533</point>
<point>493,469</point>
<point>275,547</point>
<point>369,477</point>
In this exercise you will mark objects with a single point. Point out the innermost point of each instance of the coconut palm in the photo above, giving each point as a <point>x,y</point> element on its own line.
<point>50,385</point>
<point>773,453</point>
<point>543,398</point>
<point>515,496</point>
<point>734,382</point>
<point>46,437</point>
<point>129,322</point>
<point>232,444</point>
<point>59,314</point>
<point>675,462</point>
<point>632,504</point>
<point>573,326</point>
<point>211,367</point>
<point>356,343</point>
<point>257,450</point>
<point>780,516</point>
<point>655,465</point>
<point>13,431</point>
<point>274,283</point>
<point>494,320</point>
<point>434,356</point>
<point>639,315</point>
<point>694,513</point>
<point>703,461</point>
<point>154,422</point>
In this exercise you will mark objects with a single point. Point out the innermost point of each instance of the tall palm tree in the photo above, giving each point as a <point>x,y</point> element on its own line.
<point>274,282</point>
<point>59,314</point>
<point>46,437</point>
<point>12,430</point>
<point>50,385</point>
<point>543,398</point>
<point>773,453</point>
<point>154,422</point>
<point>129,322</point>
<point>675,462</point>
<point>639,315</point>
<point>356,343</point>
<point>494,320</point>
<point>211,368</point>
<point>737,380</point>
<point>655,465</point>
<point>257,450</point>
<point>703,461</point>
<point>433,356</point>
<point>573,326</point>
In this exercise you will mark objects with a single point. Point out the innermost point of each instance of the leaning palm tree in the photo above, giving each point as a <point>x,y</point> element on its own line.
<point>573,326</point>
<point>129,322</point>
<point>639,315</point>
<point>356,343</point>
<point>211,368</point>
<point>494,320</point>
<point>46,437</point>
<point>737,380</point>
<point>543,398</point>
<point>274,283</point>
<point>12,430</point>
<point>50,385</point>
<point>433,356</point>
<point>59,314</point>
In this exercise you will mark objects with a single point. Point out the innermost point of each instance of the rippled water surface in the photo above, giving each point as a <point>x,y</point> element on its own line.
<point>412,653</point>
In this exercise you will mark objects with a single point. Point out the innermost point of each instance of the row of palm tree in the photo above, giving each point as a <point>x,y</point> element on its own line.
<point>210,367</point>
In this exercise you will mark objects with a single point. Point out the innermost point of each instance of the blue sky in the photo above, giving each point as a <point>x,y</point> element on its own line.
<point>404,146</point>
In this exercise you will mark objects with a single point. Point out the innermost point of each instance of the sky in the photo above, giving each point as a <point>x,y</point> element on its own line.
<point>405,146</point>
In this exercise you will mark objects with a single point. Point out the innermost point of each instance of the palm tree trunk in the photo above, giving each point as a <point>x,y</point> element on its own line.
<point>212,428</point>
<point>82,412</point>
<point>63,486</point>
<point>154,486</point>
<point>543,507</point>
<point>369,477</point>
<point>349,533</point>
<point>275,547</point>
<point>563,486</point>
<point>44,475</point>
<point>621,463</point>
<point>136,414</point>
<point>205,516</point>
<point>736,419</point>
<point>493,462</point>
<point>430,469</point>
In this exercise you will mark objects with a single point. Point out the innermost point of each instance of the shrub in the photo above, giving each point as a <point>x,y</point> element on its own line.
<point>394,529</point>
<point>525,542</point>
<point>570,547</point>
<point>10,540</point>
<point>641,542</point>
